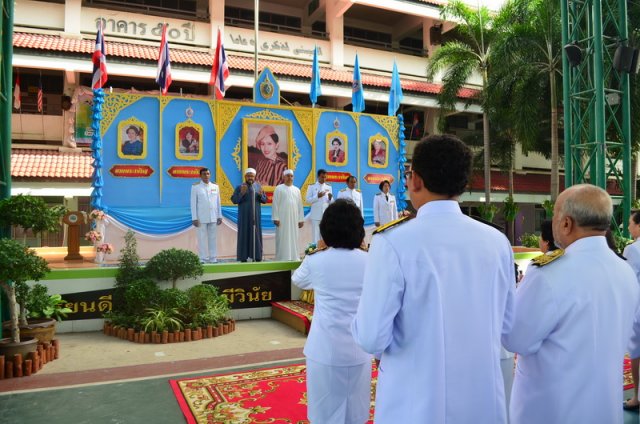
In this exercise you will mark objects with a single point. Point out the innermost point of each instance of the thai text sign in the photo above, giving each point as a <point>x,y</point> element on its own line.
<point>255,291</point>
<point>88,305</point>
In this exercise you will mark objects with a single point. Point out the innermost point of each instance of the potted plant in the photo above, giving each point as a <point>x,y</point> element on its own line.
<point>18,264</point>
<point>30,213</point>
<point>43,311</point>
<point>101,250</point>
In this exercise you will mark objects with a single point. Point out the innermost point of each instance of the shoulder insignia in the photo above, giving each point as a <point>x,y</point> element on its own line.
<point>364,248</point>
<point>196,183</point>
<point>543,260</point>
<point>378,194</point>
<point>358,190</point>
<point>316,250</point>
<point>344,189</point>
<point>391,224</point>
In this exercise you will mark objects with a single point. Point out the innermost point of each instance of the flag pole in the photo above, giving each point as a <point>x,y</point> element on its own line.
<point>256,24</point>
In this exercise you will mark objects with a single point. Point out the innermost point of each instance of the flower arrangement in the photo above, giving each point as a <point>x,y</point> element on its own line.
<point>105,248</point>
<point>97,214</point>
<point>93,236</point>
<point>310,248</point>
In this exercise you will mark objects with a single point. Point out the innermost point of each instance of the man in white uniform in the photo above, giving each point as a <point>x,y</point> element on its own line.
<point>206,215</point>
<point>288,216</point>
<point>352,193</point>
<point>438,293</point>
<point>385,208</point>
<point>573,320</point>
<point>319,195</point>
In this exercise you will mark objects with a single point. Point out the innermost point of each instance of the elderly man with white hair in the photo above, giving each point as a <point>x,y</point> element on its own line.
<point>573,319</point>
<point>248,196</point>
<point>288,217</point>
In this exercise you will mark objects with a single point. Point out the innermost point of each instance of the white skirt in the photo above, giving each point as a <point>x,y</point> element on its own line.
<point>338,394</point>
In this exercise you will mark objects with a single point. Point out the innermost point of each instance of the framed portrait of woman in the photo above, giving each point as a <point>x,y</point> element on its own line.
<point>132,139</point>
<point>337,152</point>
<point>378,151</point>
<point>189,144</point>
<point>267,147</point>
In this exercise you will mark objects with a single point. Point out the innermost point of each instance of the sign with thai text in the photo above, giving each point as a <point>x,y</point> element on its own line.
<point>241,39</point>
<point>184,171</point>
<point>255,291</point>
<point>337,177</point>
<point>131,171</point>
<point>378,178</point>
<point>88,305</point>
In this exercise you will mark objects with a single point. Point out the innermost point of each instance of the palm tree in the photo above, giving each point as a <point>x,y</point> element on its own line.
<point>466,53</point>
<point>527,51</point>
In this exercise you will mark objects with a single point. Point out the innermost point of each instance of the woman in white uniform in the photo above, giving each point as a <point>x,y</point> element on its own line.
<point>632,255</point>
<point>338,371</point>
<point>385,208</point>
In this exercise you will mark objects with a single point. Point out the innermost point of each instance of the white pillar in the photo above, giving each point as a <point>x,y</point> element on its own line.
<point>335,28</point>
<point>72,17</point>
<point>216,13</point>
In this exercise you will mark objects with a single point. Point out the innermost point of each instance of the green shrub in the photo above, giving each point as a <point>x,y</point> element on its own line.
<point>173,298</point>
<point>529,240</point>
<point>205,306</point>
<point>173,265</point>
<point>128,270</point>
<point>139,295</point>
<point>487,211</point>
<point>162,319</point>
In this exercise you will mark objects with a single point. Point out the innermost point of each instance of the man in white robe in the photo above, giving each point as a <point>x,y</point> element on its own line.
<point>438,294</point>
<point>206,215</point>
<point>319,195</point>
<point>288,217</point>
<point>573,319</point>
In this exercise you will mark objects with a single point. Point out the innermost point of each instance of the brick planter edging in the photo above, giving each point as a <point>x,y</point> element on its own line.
<point>187,335</point>
<point>18,366</point>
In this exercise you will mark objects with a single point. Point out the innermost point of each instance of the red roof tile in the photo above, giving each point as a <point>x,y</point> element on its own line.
<point>202,58</point>
<point>31,163</point>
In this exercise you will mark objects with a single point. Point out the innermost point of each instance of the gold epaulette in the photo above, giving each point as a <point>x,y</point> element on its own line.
<point>391,224</point>
<point>344,189</point>
<point>364,248</point>
<point>543,260</point>
<point>196,183</point>
<point>317,249</point>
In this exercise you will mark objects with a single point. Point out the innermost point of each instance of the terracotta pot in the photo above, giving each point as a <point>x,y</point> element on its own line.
<point>41,329</point>
<point>187,335</point>
<point>1,367</point>
<point>26,345</point>
<point>209,331</point>
<point>8,369</point>
<point>225,328</point>
<point>165,336</point>
<point>170,337</point>
<point>27,368</point>
<point>215,332</point>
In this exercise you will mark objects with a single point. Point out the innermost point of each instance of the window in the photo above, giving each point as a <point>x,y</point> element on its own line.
<point>52,86</point>
<point>367,37</point>
<point>185,9</point>
<point>236,16</point>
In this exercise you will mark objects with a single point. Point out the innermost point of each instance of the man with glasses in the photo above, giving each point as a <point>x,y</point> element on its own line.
<point>438,294</point>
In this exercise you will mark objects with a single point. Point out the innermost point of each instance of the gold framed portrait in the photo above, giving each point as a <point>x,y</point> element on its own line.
<point>378,151</point>
<point>189,143</point>
<point>337,151</point>
<point>132,139</point>
<point>267,146</point>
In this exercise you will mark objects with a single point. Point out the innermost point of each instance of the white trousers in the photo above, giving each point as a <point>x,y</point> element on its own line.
<point>207,250</point>
<point>338,395</point>
<point>315,230</point>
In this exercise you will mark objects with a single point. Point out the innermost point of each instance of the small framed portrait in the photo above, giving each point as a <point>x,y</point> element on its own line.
<point>132,139</point>
<point>189,140</point>
<point>267,147</point>
<point>378,151</point>
<point>337,152</point>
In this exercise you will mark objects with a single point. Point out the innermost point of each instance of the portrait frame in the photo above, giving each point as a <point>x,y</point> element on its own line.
<point>344,139</point>
<point>181,141</point>
<point>252,154</point>
<point>374,160</point>
<point>123,128</point>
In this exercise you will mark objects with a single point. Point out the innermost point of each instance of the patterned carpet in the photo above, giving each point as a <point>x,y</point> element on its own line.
<point>272,395</point>
<point>626,369</point>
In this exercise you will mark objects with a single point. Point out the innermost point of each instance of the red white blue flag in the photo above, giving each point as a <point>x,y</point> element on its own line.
<point>163,78</point>
<point>220,69</point>
<point>99,62</point>
<point>39,98</point>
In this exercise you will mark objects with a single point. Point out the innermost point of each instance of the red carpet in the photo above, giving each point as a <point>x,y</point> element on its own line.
<point>626,368</point>
<point>272,395</point>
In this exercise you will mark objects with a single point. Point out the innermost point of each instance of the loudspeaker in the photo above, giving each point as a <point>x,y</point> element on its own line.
<point>574,54</point>
<point>625,59</point>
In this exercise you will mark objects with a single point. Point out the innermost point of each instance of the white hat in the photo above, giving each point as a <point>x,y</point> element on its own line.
<point>287,172</point>
<point>250,171</point>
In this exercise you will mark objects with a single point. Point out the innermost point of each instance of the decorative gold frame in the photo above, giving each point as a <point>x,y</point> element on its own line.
<point>246,122</point>
<point>372,139</point>
<point>122,127</point>
<point>198,128</point>
<point>345,142</point>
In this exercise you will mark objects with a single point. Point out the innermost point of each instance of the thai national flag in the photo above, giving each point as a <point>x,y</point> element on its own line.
<point>99,62</point>
<point>220,69</point>
<point>17,100</point>
<point>164,63</point>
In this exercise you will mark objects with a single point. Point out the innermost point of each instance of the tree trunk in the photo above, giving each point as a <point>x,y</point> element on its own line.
<point>10,290</point>
<point>555,173</point>
<point>512,224</point>
<point>23,314</point>
<point>486,144</point>
<point>634,177</point>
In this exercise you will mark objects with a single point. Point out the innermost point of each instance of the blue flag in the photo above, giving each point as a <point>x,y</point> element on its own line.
<point>357,94</point>
<point>395,94</point>
<point>316,90</point>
